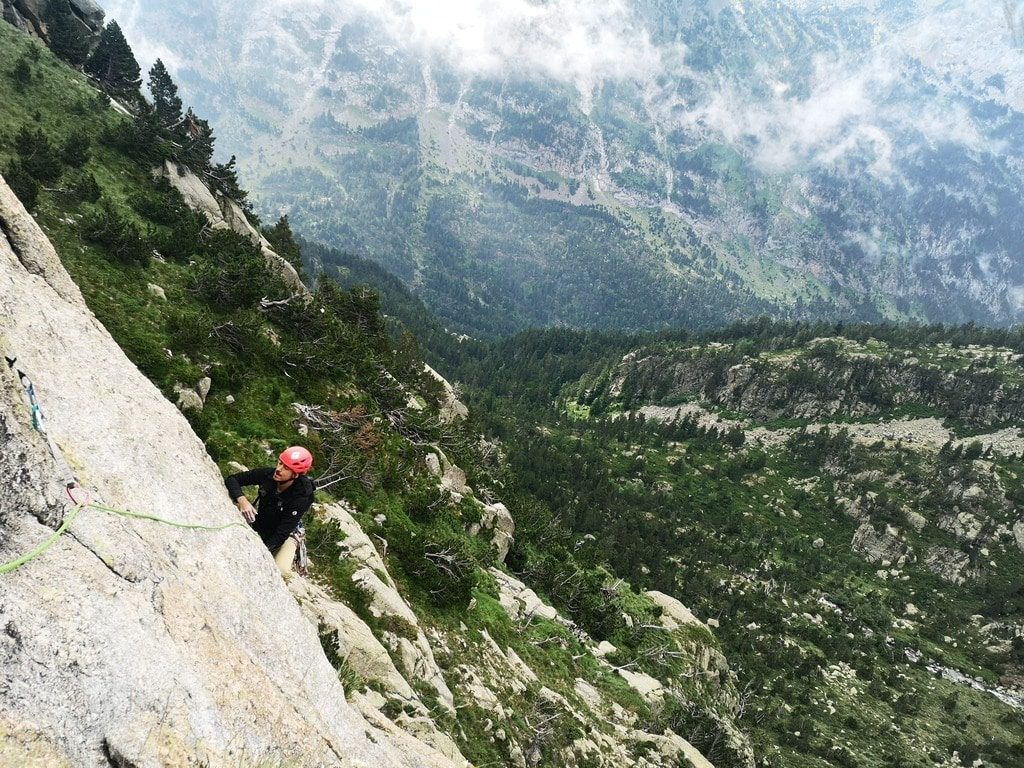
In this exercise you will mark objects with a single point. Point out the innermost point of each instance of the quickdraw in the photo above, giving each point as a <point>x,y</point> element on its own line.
<point>26,382</point>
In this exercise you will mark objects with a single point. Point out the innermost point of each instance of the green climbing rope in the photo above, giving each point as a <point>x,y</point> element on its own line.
<point>174,524</point>
<point>14,564</point>
<point>32,555</point>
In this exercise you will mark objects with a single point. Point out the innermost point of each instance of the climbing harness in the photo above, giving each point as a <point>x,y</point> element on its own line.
<point>80,497</point>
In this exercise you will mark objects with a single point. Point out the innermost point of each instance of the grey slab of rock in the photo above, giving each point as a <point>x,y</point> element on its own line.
<point>1018,535</point>
<point>162,646</point>
<point>203,388</point>
<point>876,547</point>
<point>188,399</point>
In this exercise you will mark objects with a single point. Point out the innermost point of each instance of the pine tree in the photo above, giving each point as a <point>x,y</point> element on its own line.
<point>224,178</point>
<point>37,156</point>
<point>22,74</point>
<point>114,64</point>
<point>198,142</point>
<point>282,240</point>
<point>67,39</point>
<point>165,96</point>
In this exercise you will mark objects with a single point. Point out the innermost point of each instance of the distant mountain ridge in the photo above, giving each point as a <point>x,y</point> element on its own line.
<point>635,165</point>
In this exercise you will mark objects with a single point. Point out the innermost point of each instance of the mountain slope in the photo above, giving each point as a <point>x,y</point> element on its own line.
<point>649,164</point>
<point>411,643</point>
<point>843,504</point>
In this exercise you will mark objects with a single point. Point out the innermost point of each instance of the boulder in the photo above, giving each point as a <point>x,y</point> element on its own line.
<point>454,480</point>
<point>1018,534</point>
<point>433,465</point>
<point>188,399</point>
<point>916,520</point>
<point>203,388</point>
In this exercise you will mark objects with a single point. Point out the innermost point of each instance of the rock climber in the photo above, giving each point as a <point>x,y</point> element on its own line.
<point>285,493</point>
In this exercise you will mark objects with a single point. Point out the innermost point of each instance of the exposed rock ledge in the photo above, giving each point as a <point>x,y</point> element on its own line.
<point>224,213</point>
<point>128,642</point>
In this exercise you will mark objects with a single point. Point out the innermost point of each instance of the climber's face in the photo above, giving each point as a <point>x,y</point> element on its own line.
<point>282,474</point>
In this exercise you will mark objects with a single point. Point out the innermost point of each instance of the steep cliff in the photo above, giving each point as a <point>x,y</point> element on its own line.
<point>130,642</point>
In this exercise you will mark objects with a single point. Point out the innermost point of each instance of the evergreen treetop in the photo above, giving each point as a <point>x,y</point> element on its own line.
<point>114,64</point>
<point>166,101</point>
<point>198,142</point>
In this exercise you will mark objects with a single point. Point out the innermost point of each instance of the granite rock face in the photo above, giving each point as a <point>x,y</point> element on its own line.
<point>163,646</point>
<point>29,15</point>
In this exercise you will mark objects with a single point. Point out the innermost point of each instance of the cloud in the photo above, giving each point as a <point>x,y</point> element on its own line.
<point>127,13</point>
<point>583,42</point>
<point>848,104</point>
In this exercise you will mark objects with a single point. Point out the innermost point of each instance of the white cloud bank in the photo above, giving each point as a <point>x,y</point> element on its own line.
<point>583,42</point>
<point>848,108</point>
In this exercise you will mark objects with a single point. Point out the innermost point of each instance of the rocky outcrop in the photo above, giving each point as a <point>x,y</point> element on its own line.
<point>497,519</point>
<point>380,684</point>
<point>949,564</point>
<point>224,213</point>
<point>1018,535</point>
<point>28,16</point>
<point>406,640</point>
<point>963,525</point>
<point>161,645</point>
<point>876,547</point>
<point>452,409</point>
<point>814,386</point>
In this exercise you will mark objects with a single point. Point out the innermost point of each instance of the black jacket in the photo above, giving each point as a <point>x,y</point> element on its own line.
<point>278,514</point>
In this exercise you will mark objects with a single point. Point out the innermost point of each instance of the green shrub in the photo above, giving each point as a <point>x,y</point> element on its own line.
<point>231,273</point>
<point>75,150</point>
<point>83,187</point>
<point>22,184</point>
<point>37,155</point>
<point>120,238</point>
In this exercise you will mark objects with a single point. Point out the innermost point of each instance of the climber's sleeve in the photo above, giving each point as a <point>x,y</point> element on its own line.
<point>236,481</point>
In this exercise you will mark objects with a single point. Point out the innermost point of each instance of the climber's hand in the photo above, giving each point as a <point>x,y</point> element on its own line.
<point>247,510</point>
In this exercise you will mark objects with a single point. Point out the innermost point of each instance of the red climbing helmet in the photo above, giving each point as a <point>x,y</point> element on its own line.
<point>297,459</point>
